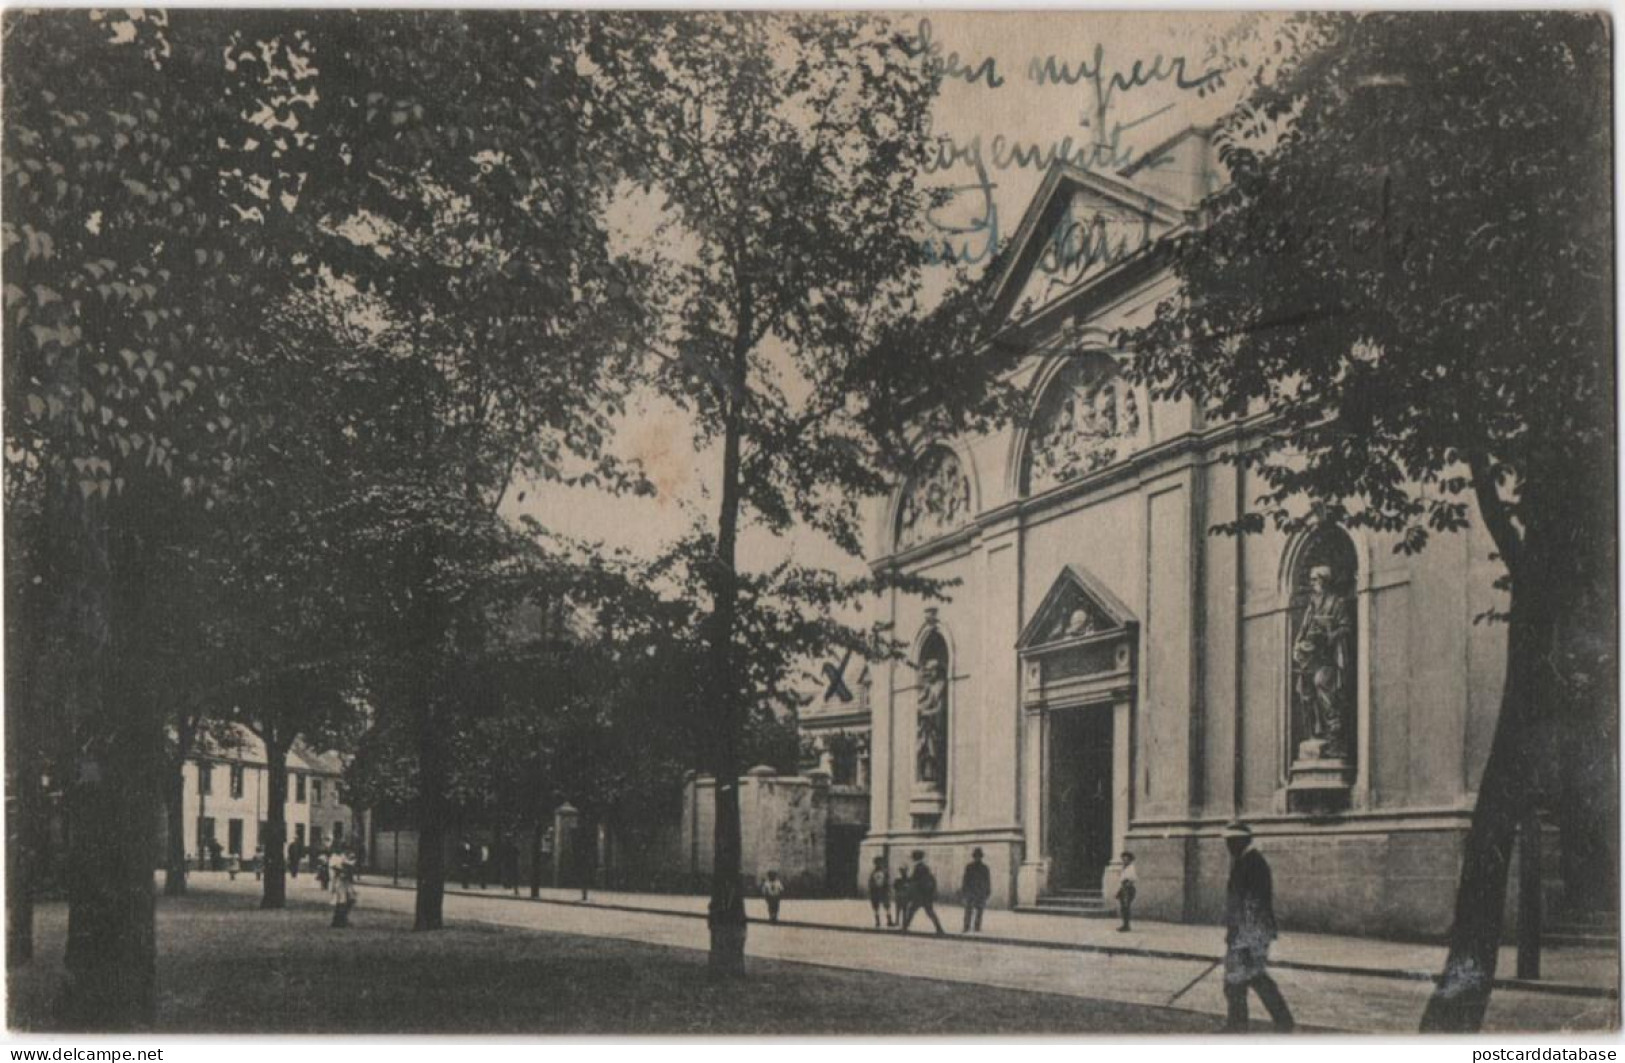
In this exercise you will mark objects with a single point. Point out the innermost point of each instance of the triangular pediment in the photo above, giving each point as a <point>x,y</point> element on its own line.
<point>1079,226</point>
<point>1078,606</point>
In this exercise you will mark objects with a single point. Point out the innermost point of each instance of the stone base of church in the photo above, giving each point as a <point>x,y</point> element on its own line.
<point>1391,883</point>
<point>1383,876</point>
<point>947,853</point>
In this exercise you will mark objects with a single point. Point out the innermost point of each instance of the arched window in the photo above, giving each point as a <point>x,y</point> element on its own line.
<point>931,715</point>
<point>1084,421</point>
<point>1323,652</point>
<point>935,500</point>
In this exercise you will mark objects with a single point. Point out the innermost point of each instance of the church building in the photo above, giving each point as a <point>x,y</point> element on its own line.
<point>1108,676</point>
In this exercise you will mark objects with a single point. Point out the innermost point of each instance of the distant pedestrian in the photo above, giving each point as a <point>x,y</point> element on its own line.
<point>234,864</point>
<point>922,892</point>
<point>323,866</point>
<point>976,888</point>
<point>899,895</point>
<point>1127,886</point>
<point>485,866</point>
<point>259,862</point>
<point>880,891</point>
<point>1249,919</point>
<point>296,853</point>
<point>341,871</point>
<point>773,894</point>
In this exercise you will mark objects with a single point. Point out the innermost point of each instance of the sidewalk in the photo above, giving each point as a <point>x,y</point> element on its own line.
<point>1564,970</point>
<point>1332,982</point>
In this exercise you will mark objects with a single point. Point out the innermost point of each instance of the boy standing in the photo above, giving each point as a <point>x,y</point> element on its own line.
<point>1127,887</point>
<point>773,893</point>
<point>880,891</point>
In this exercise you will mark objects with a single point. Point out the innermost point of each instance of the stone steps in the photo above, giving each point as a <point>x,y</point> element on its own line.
<point>1580,940</point>
<point>1075,913</point>
<point>1583,929</point>
<point>1080,903</point>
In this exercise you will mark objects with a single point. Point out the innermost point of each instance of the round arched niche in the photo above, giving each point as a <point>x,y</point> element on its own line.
<point>935,499</point>
<point>1323,665</point>
<point>1085,420</point>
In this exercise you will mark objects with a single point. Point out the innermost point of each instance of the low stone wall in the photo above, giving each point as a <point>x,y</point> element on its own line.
<point>783,827</point>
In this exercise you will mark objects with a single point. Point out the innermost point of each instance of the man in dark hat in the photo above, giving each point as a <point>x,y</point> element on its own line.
<point>976,889</point>
<point>922,892</point>
<point>1249,920</point>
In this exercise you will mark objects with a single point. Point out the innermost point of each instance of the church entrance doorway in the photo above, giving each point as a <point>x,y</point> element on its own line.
<point>1080,812</point>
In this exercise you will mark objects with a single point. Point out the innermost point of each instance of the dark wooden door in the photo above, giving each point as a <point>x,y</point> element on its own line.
<point>1080,797</point>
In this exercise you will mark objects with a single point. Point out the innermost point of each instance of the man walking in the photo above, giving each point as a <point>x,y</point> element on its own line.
<point>976,888</point>
<point>922,892</point>
<point>880,891</point>
<point>1249,919</point>
<point>899,895</point>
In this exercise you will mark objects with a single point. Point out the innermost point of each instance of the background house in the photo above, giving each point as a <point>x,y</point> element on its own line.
<point>226,795</point>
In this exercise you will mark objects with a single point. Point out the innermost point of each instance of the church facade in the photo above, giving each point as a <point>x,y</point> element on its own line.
<point>1108,676</point>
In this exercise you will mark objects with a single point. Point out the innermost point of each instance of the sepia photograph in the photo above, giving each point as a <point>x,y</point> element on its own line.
<point>558,523</point>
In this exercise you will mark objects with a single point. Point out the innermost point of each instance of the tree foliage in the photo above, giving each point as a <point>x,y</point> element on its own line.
<point>782,155</point>
<point>1405,295</point>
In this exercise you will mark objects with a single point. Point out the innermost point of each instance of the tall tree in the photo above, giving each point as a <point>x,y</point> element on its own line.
<point>783,153</point>
<point>457,243</point>
<point>1409,281</point>
<point>128,279</point>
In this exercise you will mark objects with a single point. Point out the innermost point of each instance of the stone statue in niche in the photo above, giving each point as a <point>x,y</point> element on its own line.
<point>931,724</point>
<point>1081,427</point>
<point>1323,668</point>
<point>936,500</point>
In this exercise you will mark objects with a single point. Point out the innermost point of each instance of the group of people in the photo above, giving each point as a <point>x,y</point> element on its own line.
<point>335,872</point>
<point>483,863</point>
<point>915,890</point>
<point>1249,916</point>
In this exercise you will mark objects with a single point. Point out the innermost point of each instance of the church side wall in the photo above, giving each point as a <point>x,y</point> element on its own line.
<point>1210,715</point>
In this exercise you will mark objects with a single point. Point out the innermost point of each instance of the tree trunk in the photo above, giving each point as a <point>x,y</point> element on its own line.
<point>115,795</point>
<point>1463,991</point>
<point>22,818</point>
<point>36,588</point>
<point>112,944</point>
<point>175,824</point>
<point>433,769</point>
<point>726,911</point>
<point>1530,902</point>
<point>274,890</point>
<point>21,854</point>
<point>431,892</point>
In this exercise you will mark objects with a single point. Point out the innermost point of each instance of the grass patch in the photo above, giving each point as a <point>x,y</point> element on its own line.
<point>227,968</point>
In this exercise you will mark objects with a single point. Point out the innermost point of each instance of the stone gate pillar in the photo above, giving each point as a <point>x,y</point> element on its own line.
<point>566,821</point>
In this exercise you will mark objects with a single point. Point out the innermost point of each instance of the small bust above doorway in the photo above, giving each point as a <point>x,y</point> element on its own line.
<point>1078,647</point>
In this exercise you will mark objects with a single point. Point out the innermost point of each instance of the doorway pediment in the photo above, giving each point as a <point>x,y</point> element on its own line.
<point>1078,607</point>
<point>1078,648</point>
